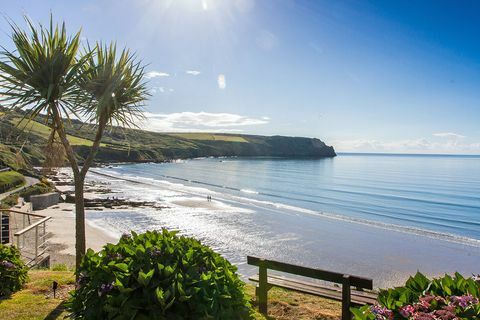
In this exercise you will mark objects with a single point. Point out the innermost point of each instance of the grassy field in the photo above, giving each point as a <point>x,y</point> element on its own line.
<point>36,301</point>
<point>10,180</point>
<point>209,137</point>
<point>43,131</point>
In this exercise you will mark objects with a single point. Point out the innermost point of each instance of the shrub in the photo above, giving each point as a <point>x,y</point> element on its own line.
<point>39,188</point>
<point>13,272</point>
<point>158,275</point>
<point>443,298</point>
<point>10,180</point>
<point>9,201</point>
<point>25,193</point>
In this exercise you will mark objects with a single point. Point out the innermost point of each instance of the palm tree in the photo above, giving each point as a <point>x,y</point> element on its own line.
<point>115,93</point>
<point>46,74</point>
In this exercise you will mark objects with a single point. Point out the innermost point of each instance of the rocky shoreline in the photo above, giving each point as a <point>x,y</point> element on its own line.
<point>98,195</point>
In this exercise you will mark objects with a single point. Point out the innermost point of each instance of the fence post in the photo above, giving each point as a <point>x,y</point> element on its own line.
<point>346,291</point>
<point>44,231</point>
<point>36,242</point>
<point>262,289</point>
<point>23,227</point>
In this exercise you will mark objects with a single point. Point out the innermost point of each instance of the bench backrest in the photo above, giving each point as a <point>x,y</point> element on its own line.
<point>359,282</point>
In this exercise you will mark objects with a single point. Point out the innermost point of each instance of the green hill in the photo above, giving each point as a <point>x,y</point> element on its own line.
<point>22,143</point>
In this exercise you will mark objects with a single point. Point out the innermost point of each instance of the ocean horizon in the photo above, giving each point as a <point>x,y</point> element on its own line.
<point>409,154</point>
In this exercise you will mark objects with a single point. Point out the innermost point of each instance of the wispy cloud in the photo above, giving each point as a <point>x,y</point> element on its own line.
<point>222,82</point>
<point>155,74</point>
<point>155,90</point>
<point>448,135</point>
<point>199,121</point>
<point>193,72</point>
<point>420,145</point>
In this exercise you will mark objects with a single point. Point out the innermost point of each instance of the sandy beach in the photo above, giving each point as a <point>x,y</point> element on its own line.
<point>61,234</point>
<point>61,226</point>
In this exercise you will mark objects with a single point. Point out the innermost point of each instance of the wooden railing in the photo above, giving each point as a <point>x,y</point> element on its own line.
<point>347,281</point>
<point>31,238</point>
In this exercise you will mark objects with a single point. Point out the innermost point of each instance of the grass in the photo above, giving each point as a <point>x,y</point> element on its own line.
<point>210,137</point>
<point>10,180</point>
<point>287,304</point>
<point>36,300</point>
<point>44,131</point>
<point>25,193</point>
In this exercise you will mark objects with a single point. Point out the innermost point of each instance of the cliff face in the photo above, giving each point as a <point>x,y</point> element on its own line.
<point>129,145</point>
<point>274,146</point>
<point>277,146</point>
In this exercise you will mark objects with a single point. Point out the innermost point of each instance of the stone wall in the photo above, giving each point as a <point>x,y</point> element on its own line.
<point>43,201</point>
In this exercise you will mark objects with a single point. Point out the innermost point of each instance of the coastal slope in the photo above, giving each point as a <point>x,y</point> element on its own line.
<point>18,137</point>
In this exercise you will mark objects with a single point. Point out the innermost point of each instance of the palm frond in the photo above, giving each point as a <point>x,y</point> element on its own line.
<point>115,82</point>
<point>43,70</point>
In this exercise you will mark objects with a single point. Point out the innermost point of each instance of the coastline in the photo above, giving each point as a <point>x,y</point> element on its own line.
<point>61,228</point>
<point>236,229</point>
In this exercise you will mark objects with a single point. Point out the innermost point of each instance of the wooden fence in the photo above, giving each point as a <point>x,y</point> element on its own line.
<point>345,295</point>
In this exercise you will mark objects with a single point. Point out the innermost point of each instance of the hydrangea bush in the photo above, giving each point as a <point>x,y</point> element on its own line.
<point>13,272</point>
<point>446,298</point>
<point>158,275</point>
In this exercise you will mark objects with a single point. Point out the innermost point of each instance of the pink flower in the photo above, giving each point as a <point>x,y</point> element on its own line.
<point>464,301</point>
<point>381,312</point>
<point>445,314</point>
<point>407,311</point>
<point>423,316</point>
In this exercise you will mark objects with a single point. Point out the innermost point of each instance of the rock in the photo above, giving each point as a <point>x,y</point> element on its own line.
<point>69,198</point>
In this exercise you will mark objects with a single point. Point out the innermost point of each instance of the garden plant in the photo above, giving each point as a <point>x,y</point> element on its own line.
<point>446,298</point>
<point>13,272</point>
<point>158,275</point>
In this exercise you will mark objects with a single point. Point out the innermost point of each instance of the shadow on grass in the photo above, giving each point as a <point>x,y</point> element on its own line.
<point>5,297</point>
<point>57,312</point>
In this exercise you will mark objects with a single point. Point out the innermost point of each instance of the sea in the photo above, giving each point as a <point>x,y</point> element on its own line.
<point>382,216</point>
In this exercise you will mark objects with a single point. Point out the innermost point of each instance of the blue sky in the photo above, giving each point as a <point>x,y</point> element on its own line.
<point>382,76</point>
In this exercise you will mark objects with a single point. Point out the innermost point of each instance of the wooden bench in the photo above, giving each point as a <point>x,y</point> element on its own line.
<point>345,294</point>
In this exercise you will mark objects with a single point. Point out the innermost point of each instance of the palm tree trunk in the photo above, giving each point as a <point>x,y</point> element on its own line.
<point>79,180</point>
<point>80,239</point>
<point>102,123</point>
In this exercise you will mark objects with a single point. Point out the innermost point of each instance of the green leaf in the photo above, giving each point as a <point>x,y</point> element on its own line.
<point>160,296</point>
<point>168,271</point>
<point>122,267</point>
<point>144,278</point>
